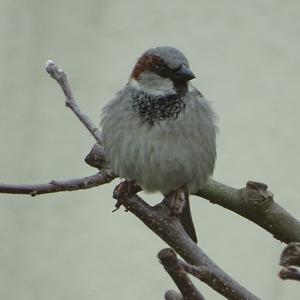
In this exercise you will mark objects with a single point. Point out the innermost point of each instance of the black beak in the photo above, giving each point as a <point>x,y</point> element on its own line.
<point>184,74</point>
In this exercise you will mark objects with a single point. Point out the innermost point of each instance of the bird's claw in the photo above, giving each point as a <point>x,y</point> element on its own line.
<point>176,202</point>
<point>124,189</point>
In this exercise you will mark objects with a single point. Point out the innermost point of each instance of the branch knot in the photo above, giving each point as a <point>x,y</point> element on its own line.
<point>257,193</point>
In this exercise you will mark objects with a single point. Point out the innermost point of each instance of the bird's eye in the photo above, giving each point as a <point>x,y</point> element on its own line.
<point>163,70</point>
<point>178,68</point>
<point>160,67</point>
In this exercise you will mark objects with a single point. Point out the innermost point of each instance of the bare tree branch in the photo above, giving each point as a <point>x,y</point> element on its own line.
<point>169,229</point>
<point>55,186</point>
<point>255,203</point>
<point>206,275</point>
<point>60,76</point>
<point>104,176</point>
<point>171,264</point>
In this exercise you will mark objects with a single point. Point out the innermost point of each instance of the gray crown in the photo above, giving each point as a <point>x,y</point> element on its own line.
<point>172,56</point>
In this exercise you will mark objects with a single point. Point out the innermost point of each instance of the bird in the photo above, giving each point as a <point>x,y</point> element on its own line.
<point>159,131</point>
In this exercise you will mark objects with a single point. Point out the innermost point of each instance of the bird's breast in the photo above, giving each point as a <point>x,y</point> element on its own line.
<point>161,145</point>
<point>156,108</point>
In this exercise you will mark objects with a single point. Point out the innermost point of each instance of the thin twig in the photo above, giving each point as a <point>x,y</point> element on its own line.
<point>171,264</point>
<point>60,76</point>
<point>55,186</point>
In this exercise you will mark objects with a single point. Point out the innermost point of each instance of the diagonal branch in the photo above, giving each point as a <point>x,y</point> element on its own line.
<point>255,203</point>
<point>170,230</point>
<point>204,274</point>
<point>172,265</point>
<point>60,76</point>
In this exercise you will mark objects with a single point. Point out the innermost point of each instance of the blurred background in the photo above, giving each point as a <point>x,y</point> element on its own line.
<point>69,245</point>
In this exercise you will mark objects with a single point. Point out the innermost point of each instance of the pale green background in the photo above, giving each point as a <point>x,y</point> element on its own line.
<point>69,246</point>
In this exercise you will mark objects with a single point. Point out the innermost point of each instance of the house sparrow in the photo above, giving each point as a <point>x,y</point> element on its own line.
<point>159,130</point>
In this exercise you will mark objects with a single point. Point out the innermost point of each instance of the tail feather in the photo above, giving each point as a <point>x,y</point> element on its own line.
<point>187,221</point>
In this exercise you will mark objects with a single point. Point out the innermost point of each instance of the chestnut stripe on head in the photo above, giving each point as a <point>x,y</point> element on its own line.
<point>146,63</point>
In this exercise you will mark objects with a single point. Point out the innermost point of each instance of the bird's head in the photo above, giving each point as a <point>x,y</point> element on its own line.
<point>161,70</point>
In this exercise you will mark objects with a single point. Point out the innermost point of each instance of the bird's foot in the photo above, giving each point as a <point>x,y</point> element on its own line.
<point>176,202</point>
<point>124,189</point>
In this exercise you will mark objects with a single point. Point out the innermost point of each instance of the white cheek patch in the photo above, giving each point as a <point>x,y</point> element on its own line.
<point>153,84</point>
